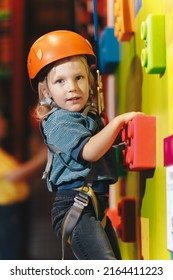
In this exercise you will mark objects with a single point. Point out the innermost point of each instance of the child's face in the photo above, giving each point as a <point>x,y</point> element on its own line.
<point>68,84</point>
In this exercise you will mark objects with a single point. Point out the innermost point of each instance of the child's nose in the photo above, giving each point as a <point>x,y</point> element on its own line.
<point>72,85</point>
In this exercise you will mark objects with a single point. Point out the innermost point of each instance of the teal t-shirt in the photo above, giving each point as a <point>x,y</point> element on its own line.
<point>69,132</point>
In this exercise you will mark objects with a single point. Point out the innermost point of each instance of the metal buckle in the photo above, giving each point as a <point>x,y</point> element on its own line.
<point>81,200</point>
<point>44,176</point>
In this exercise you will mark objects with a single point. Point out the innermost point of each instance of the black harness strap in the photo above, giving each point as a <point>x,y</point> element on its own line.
<point>72,217</point>
<point>81,200</point>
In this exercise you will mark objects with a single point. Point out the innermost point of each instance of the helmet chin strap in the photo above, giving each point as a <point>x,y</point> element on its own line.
<point>47,101</point>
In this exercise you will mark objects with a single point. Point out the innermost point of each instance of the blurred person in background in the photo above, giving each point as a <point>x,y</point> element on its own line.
<point>14,198</point>
<point>25,230</point>
<point>15,193</point>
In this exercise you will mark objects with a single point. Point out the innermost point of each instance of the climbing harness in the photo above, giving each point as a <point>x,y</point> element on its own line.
<point>84,193</point>
<point>72,217</point>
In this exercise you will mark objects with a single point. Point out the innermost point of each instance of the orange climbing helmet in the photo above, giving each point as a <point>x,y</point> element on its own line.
<point>56,45</point>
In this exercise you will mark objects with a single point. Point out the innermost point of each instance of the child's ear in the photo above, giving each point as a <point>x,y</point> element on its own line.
<point>42,89</point>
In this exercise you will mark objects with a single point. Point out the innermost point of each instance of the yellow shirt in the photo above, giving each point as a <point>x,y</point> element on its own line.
<point>11,193</point>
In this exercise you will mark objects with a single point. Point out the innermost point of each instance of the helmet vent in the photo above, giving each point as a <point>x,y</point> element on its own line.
<point>39,54</point>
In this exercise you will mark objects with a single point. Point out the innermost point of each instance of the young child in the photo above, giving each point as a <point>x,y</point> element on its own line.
<point>84,164</point>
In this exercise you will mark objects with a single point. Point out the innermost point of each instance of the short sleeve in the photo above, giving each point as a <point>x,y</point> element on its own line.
<point>69,131</point>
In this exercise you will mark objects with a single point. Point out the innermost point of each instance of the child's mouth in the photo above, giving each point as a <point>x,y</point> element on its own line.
<point>73,99</point>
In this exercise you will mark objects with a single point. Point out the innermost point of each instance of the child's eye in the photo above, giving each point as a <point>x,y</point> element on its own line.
<point>60,81</point>
<point>80,77</point>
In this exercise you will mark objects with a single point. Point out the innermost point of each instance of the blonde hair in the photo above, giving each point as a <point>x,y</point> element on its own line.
<point>43,107</point>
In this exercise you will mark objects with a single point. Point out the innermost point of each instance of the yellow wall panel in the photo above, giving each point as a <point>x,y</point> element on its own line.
<point>152,94</point>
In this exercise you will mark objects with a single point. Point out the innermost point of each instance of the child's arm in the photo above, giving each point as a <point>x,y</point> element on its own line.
<point>100,143</point>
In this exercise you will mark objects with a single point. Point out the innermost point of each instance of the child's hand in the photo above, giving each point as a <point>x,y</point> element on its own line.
<point>126,117</point>
<point>101,142</point>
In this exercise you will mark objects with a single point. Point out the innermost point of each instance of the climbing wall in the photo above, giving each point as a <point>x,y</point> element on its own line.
<point>145,83</point>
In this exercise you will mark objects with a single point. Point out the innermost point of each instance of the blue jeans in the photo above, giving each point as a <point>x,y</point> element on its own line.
<point>89,241</point>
